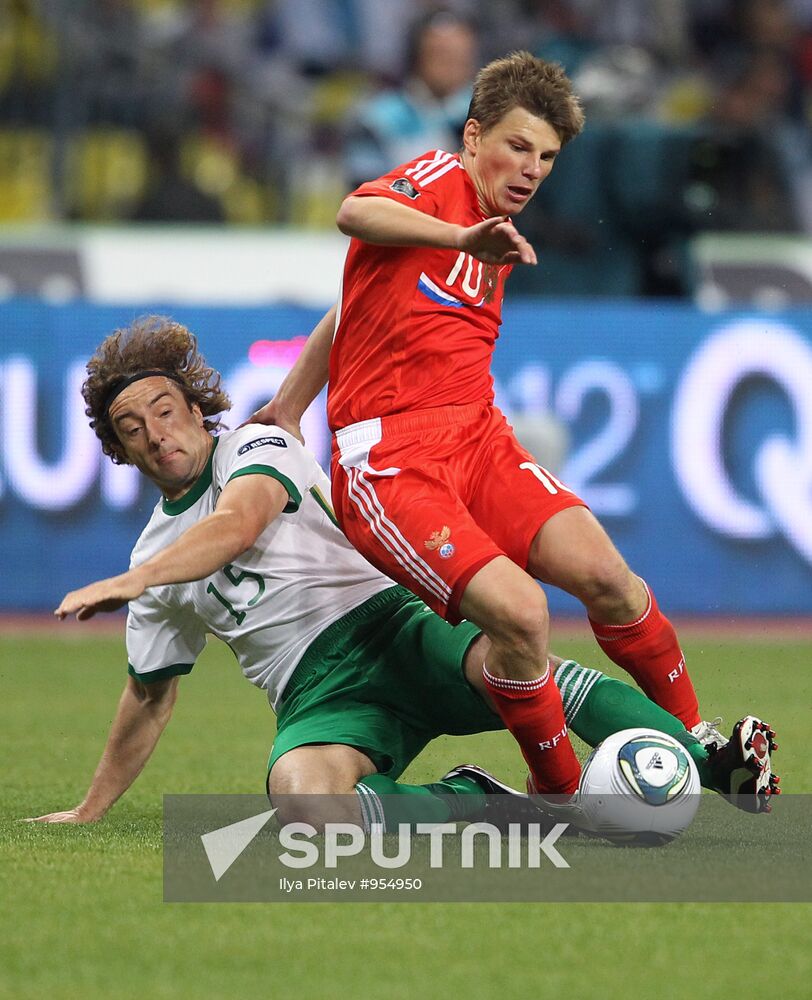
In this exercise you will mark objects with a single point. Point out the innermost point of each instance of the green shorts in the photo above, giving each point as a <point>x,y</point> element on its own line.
<point>386,678</point>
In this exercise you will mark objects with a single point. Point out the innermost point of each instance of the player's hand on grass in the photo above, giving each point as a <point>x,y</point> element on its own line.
<point>76,815</point>
<point>497,241</point>
<point>273,414</point>
<point>104,595</point>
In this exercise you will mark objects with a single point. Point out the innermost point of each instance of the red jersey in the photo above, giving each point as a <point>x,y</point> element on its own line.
<point>416,326</point>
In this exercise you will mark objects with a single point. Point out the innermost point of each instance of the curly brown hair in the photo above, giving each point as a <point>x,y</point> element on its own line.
<point>151,343</point>
<point>521,80</point>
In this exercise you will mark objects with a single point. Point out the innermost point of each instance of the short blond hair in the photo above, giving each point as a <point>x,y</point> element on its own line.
<point>521,80</point>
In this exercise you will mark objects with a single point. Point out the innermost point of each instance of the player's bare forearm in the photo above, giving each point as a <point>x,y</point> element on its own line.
<point>142,715</point>
<point>200,551</point>
<point>389,223</point>
<point>304,381</point>
<point>245,508</point>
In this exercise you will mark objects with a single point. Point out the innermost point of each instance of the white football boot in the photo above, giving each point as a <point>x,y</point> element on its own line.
<point>708,733</point>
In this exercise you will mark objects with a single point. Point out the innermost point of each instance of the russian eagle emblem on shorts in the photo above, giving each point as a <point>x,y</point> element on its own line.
<point>438,538</point>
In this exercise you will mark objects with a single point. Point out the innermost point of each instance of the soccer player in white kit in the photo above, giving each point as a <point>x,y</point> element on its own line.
<point>244,544</point>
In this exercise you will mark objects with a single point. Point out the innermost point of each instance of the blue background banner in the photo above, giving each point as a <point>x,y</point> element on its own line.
<point>690,437</point>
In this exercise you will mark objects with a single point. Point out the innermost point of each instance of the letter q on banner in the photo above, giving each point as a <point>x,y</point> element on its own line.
<point>782,467</point>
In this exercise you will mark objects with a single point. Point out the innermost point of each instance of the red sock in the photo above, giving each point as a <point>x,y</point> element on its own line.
<point>533,713</point>
<point>649,650</point>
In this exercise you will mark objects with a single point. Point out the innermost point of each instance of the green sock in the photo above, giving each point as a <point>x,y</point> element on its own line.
<point>386,801</point>
<point>595,706</point>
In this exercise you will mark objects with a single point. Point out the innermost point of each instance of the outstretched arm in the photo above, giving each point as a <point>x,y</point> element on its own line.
<point>142,715</point>
<point>389,223</point>
<point>304,381</point>
<point>246,507</point>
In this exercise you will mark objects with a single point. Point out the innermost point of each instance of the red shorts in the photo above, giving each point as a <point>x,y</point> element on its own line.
<point>430,497</point>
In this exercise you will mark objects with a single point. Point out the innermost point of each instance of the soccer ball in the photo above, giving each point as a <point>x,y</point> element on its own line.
<point>639,787</point>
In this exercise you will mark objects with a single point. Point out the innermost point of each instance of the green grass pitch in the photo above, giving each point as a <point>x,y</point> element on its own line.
<point>82,914</point>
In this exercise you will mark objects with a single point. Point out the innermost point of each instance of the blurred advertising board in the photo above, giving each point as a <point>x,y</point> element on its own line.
<point>690,436</point>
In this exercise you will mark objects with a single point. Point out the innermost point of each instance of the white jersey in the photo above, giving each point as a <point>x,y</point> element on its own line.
<point>269,605</point>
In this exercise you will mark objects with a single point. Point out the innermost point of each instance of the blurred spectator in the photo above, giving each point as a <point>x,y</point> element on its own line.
<point>698,114</point>
<point>617,82</point>
<point>319,37</point>
<point>170,195</point>
<point>28,57</point>
<point>657,26</point>
<point>428,111</point>
<point>752,161</point>
<point>327,36</point>
<point>197,58</point>
<point>104,45</point>
<point>562,34</point>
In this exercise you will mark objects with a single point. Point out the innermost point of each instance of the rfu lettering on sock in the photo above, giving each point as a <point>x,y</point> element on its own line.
<point>551,744</point>
<point>678,671</point>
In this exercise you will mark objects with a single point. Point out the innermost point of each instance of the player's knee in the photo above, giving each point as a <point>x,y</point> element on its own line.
<point>316,810</point>
<point>522,624</point>
<point>313,785</point>
<point>609,584</point>
<point>289,777</point>
<point>298,799</point>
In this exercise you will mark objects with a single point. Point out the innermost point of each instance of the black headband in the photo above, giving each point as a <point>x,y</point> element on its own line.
<point>120,384</point>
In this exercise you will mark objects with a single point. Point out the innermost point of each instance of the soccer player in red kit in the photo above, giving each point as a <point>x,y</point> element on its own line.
<point>429,482</point>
